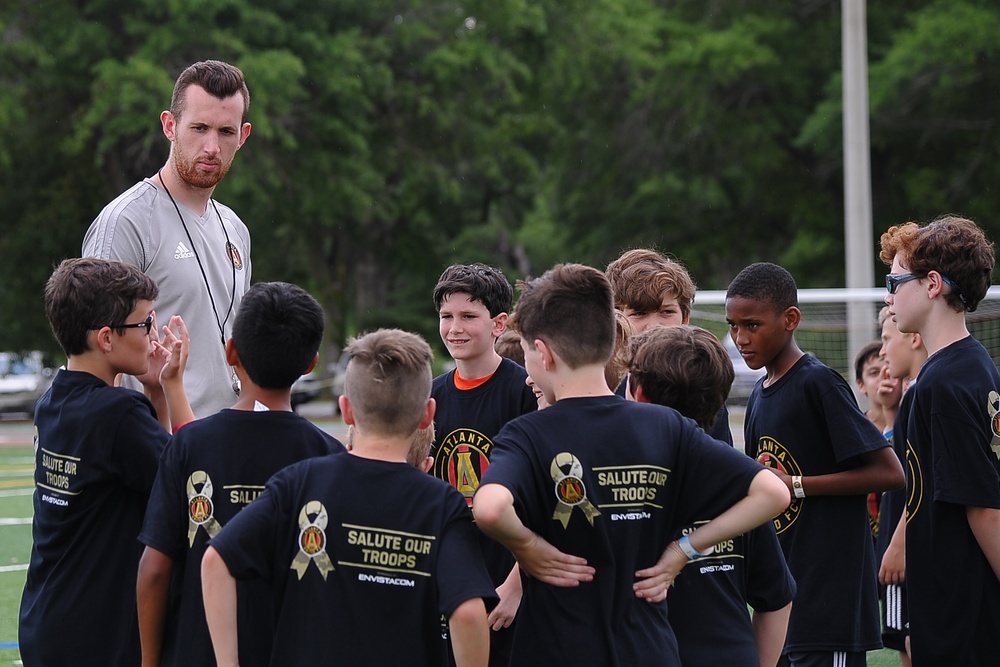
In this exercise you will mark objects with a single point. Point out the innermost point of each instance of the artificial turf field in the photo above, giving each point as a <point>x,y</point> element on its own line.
<point>16,466</point>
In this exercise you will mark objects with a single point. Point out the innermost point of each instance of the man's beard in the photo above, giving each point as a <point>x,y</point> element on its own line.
<point>189,173</point>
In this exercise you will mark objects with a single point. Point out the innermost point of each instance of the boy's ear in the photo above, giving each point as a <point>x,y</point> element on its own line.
<point>916,342</point>
<point>640,395</point>
<point>426,465</point>
<point>500,324</point>
<point>346,411</point>
<point>428,417</point>
<point>232,357</point>
<point>102,339</point>
<point>312,365</point>
<point>792,316</point>
<point>548,354</point>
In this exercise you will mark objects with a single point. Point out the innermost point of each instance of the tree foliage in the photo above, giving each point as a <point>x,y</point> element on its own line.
<point>391,138</point>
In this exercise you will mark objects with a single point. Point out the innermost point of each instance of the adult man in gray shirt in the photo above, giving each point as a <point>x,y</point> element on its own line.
<point>197,250</point>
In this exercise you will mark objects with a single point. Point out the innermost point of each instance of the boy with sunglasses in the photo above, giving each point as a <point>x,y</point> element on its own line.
<point>96,453</point>
<point>952,521</point>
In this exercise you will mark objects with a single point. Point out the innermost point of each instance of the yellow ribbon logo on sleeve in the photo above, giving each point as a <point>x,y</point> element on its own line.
<point>570,491</point>
<point>201,510</point>
<point>312,540</point>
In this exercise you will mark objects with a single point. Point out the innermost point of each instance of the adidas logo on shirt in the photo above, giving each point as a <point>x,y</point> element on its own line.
<point>182,251</point>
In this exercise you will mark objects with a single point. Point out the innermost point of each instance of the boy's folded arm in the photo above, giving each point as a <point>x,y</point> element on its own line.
<point>766,497</point>
<point>219,592</point>
<point>493,507</point>
<point>152,589</point>
<point>879,471</point>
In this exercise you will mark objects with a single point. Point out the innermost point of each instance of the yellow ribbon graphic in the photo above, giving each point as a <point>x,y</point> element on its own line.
<point>312,540</point>
<point>201,510</point>
<point>570,491</point>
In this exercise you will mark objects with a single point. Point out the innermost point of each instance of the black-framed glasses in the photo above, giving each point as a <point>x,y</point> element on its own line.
<point>894,280</point>
<point>147,325</point>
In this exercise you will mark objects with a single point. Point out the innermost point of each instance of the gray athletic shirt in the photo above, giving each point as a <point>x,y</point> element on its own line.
<point>141,227</point>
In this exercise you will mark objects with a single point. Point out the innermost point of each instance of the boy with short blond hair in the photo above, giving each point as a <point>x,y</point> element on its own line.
<point>474,401</point>
<point>364,551</point>
<point>96,453</point>
<point>940,271</point>
<point>590,523</point>
<point>804,422</point>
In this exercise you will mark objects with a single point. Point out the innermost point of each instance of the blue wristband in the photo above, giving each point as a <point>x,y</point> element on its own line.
<point>693,554</point>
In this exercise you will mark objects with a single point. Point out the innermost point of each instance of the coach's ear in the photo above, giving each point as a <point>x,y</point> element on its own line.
<point>640,395</point>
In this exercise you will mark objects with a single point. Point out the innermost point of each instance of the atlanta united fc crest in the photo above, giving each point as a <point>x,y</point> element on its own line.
<point>772,454</point>
<point>461,460</point>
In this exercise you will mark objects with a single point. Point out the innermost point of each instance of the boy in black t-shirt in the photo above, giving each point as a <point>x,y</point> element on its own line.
<point>952,553</point>
<point>688,369</point>
<point>589,493</point>
<point>474,401</point>
<point>215,466</point>
<point>364,552</point>
<point>96,448</point>
<point>805,424</point>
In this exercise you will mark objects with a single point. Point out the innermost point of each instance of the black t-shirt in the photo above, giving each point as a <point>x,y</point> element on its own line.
<point>809,423</point>
<point>708,603</point>
<point>892,503</point>
<point>363,557</point>
<point>953,460</point>
<point>96,452</point>
<point>465,422</point>
<point>210,471</point>
<point>611,481</point>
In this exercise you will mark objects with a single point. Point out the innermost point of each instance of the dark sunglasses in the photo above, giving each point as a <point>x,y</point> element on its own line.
<point>894,280</point>
<point>147,325</point>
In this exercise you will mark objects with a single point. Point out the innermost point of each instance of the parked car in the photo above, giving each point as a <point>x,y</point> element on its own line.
<point>313,386</point>
<point>746,377</point>
<point>23,380</point>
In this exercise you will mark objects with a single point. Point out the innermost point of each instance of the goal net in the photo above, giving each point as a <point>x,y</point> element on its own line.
<point>824,330</point>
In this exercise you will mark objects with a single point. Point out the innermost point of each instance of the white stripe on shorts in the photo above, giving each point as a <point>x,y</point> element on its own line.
<point>894,607</point>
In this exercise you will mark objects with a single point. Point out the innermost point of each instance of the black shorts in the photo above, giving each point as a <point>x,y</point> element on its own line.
<point>824,659</point>
<point>895,621</point>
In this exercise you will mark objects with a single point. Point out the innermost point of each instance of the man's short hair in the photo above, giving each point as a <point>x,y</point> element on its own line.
<point>642,278</point>
<point>866,354</point>
<point>570,307</point>
<point>509,345</point>
<point>953,246</point>
<point>277,332</point>
<point>485,284</point>
<point>388,381</point>
<point>86,293</point>
<point>766,283</point>
<point>683,367</point>
<point>218,79</point>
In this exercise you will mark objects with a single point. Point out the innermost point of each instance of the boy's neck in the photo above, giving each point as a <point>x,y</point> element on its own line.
<point>380,448</point>
<point>275,400</point>
<point>782,362</point>
<point>94,364</point>
<point>473,369</point>
<point>943,328</point>
<point>582,382</point>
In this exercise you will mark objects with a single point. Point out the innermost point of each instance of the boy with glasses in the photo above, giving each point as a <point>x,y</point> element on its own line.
<point>96,453</point>
<point>939,272</point>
